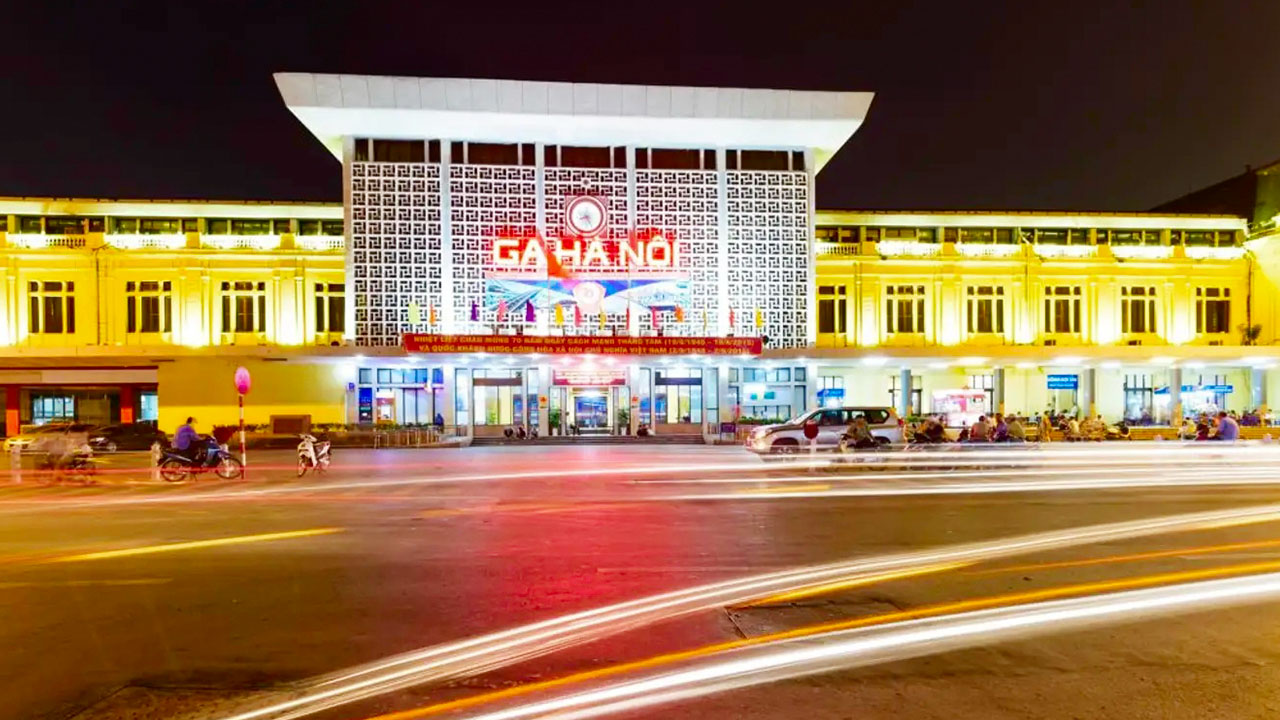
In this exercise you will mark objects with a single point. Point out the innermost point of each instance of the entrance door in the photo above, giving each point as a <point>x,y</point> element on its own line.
<point>591,410</point>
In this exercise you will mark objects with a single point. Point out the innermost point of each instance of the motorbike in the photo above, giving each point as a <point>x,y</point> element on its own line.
<point>211,456</point>
<point>76,466</point>
<point>312,454</point>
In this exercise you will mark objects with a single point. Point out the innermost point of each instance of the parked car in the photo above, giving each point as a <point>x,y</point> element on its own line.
<point>22,441</point>
<point>127,436</point>
<point>789,437</point>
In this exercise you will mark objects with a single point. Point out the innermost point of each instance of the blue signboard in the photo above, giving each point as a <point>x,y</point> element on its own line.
<point>831,397</point>
<point>1219,389</point>
<point>1064,382</point>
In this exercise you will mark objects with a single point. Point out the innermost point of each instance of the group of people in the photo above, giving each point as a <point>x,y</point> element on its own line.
<point>1224,426</point>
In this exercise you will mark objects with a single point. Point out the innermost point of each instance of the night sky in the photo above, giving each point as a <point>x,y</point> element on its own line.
<point>979,105</point>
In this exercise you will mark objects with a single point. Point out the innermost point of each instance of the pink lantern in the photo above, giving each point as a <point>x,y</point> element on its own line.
<point>242,380</point>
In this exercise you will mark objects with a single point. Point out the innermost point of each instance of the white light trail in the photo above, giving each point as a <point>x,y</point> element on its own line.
<point>487,652</point>
<point>845,649</point>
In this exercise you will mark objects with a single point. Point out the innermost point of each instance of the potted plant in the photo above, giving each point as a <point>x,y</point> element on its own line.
<point>1249,333</point>
<point>623,417</point>
<point>553,421</point>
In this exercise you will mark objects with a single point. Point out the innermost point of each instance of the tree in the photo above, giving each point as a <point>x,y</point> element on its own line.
<point>1249,333</point>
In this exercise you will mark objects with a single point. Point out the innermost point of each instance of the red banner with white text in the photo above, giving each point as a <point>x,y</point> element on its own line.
<point>573,345</point>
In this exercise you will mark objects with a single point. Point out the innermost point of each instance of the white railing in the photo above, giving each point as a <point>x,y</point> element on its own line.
<point>830,249</point>
<point>36,241</point>
<point>907,248</point>
<point>241,242</point>
<point>1214,253</point>
<point>1065,251</point>
<point>320,243</point>
<point>1001,250</point>
<point>136,241</point>
<point>1142,252</point>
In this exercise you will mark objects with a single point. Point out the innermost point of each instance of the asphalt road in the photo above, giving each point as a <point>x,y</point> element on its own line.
<point>133,597</point>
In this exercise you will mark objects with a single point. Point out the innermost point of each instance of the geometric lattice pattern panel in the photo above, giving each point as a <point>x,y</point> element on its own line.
<point>683,206</point>
<point>768,262</point>
<point>609,185</point>
<point>486,202</point>
<point>395,256</point>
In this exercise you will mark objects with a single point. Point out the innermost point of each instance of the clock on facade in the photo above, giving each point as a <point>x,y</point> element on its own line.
<point>585,215</point>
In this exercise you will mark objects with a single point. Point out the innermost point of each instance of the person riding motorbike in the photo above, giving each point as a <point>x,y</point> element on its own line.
<point>187,443</point>
<point>859,434</point>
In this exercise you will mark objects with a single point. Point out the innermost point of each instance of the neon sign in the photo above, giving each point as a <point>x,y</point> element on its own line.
<point>576,255</point>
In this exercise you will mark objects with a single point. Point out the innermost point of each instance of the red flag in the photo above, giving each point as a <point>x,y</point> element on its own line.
<point>679,314</point>
<point>502,310</point>
<point>577,315</point>
<point>730,317</point>
<point>653,318</point>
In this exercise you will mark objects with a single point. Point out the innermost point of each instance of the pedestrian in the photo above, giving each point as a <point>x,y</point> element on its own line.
<point>1044,428</point>
<point>1016,432</point>
<point>1000,433</point>
<point>981,430</point>
<point>1228,428</point>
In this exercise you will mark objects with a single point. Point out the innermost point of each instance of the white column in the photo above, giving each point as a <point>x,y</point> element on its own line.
<point>722,394</point>
<point>349,297</point>
<point>722,246</point>
<point>1258,389</point>
<point>544,391</point>
<point>997,381</point>
<point>904,392</point>
<point>446,397</point>
<point>634,377</point>
<point>1089,391</point>
<point>446,244</point>
<point>1175,396</point>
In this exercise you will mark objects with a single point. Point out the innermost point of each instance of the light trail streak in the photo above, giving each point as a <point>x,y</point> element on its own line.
<point>1002,600</point>
<point>486,652</point>
<point>1134,557</point>
<point>192,545</point>
<point>844,649</point>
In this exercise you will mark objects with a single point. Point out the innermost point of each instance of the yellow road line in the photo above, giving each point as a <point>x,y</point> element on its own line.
<point>86,583</point>
<point>923,612</point>
<point>816,487</point>
<point>193,545</point>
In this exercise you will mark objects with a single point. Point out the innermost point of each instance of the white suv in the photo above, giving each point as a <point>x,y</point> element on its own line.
<point>832,423</point>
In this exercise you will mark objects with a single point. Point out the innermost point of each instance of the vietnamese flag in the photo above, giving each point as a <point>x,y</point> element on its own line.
<point>679,314</point>
<point>502,310</point>
<point>653,318</point>
<point>577,316</point>
<point>730,317</point>
<point>431,314</point>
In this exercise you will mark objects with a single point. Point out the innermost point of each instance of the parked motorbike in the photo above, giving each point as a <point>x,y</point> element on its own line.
<point>312,454</point>
<point>211,456</point>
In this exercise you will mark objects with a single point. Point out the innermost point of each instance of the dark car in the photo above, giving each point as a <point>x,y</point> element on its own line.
<point>128,436</point>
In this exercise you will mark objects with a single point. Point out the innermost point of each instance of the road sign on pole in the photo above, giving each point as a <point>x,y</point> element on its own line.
<point>242,388</point>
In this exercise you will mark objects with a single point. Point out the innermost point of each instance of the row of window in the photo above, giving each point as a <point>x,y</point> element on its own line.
<point>904,309</point>
<point>1012,235</point>
<point>476,153</point>
<point>149,307</point>
<point>78,225</point>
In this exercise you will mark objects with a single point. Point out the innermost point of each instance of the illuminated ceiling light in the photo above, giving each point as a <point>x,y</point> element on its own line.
<point>938,365</point>
<point>1109,364</point>
<point>874,360</point>
<point>1067,360</point>
<point>1163,360</point>
<point>1025,365</point>
<point>1260,361</point>
<point>971,360</point>
<point>1193,365</point>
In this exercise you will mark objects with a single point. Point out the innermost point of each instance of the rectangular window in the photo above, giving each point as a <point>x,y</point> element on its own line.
<point>492,154</point>
<point>159,226</point>
<point>904,309</point>
<point>52,307</point>
<point>763,160</point>
<point>64,225</point>
<point>1138,309</point>
<point>665,159</point>
<point>985,309</point>
<point>1213,310</point>
<point>585,157</point>
<point>148,306</point>
<point>1062,309</point>
<point>250,227</point>
<point>399,151</point>
<point>244,307</point>
<point>330,307</point>
<point>832,306</point>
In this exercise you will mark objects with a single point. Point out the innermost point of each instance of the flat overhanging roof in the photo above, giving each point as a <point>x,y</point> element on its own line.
<point>590,114</point>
